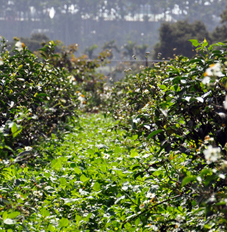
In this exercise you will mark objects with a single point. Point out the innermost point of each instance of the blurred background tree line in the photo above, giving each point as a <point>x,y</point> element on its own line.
<point>132,25</point>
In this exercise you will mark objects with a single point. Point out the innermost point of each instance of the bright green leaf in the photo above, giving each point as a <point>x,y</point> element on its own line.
<point>13,215</point>
<point>44,212</point>
<point>96,186</point>
<point>63,222</point>
<point>77,171</point>
<point>83,178</point>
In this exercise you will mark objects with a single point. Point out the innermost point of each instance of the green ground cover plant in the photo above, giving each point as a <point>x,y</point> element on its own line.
<point>84,182</point>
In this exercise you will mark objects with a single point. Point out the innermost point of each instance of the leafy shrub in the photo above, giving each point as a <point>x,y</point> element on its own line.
<point>176,109</point>
<point>34,43</point>
<point>35,96</point>
<point>83,73</point>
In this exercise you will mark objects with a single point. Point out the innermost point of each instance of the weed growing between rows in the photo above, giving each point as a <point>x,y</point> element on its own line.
<point>85,182</point>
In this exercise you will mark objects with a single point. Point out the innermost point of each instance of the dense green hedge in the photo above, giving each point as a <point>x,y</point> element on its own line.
<point>35,96</point>
<point>178,111</point>
<point>40,90</point>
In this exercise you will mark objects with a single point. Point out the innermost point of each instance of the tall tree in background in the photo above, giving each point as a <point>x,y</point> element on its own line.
<point>129,49</point>
<point>176,36</point>
<point>89,51</point>
<point>76,20</point>
<point>110,46</point>
<point>224,16</point>
<point>220,32</point>
<point>191,10</point>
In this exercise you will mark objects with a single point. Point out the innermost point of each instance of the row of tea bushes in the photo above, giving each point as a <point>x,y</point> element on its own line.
<point>35,97</point>
<point>178,110</point>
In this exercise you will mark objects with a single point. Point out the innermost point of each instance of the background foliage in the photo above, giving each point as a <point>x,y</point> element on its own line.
<point>97,22</point>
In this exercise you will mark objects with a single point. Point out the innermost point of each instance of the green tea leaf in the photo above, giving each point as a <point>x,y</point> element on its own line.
<point>154,133</point>
<point>194,42</point>
<point>13,215</point>
<point>14,128</point>
<point>188,179</point>
<point>83,178</point>
<point>96,186</point>
<point>44,212</point>
<point>63,181</point>
<point>63,222</point>
<point>77,171</point>
<point>56,164</point>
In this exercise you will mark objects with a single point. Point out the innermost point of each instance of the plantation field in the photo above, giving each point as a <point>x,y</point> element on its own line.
<point>150,157</point>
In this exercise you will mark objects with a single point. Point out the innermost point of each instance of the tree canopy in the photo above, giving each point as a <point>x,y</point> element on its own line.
<point>119,9</point>
<point>176,36</point>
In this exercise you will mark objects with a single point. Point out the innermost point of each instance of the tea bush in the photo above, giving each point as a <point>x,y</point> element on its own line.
<point>177,109</point>
<point>35,96</point>
<point>83,73</point>
<point>40,91</point>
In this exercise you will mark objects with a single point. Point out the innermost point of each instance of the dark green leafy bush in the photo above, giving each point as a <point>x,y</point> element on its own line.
<point>178,111</point>
<point>35,96</point>
<point>83,73</point>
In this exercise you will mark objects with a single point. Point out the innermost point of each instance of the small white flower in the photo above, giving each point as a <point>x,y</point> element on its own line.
<point>9,221</point>
<point>206,80</point>
<point>19,46</point>
<point>144,204</point>
<point>141,67</point>
<point>82,100</point>
<point>18,196</point>
<point>37,194</point>
<point>187,98</point>
<point>214,70</point>
<point>146,91</point>
<point>212,154</point>
<point>212,198</point>
<point>222,176</point>
<point>71,78</point>
<point>1,61</point>
<point>136,120</point>
<point>225,102</point>
<point>150,195</point>
<point>106,88</point>
<point>106,156</point>
<point>28,148</point>
<point>128,70</point>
